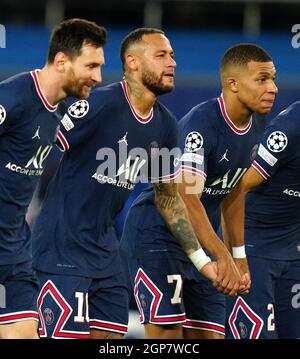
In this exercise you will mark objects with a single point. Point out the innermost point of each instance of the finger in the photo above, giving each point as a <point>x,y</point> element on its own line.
<point>246,277</point>
<point>243,292</point>
<point>231,288</point>
<point>225,282</point>
<point>230,291</point>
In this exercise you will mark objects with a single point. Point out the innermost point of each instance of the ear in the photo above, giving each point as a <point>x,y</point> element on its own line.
<point>232,83</point>
<point>60,60</point>
<point>131,62</point>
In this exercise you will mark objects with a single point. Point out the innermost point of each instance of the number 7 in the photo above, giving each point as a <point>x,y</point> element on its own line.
<point>172,278</point>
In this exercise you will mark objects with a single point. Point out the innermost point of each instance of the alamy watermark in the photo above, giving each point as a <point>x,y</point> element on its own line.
<point>2,36</point>
<point>296,38</point>
<point>2,296</point>
<point>125,168</point>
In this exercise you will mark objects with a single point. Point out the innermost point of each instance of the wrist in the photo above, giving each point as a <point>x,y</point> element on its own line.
<point>199,258</point>
<point>238,252</point>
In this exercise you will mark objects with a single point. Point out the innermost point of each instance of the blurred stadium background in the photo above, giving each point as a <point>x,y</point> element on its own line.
<point>200,32</point>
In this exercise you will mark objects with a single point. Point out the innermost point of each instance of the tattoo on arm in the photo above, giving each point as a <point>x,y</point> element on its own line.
<point>174,212</point>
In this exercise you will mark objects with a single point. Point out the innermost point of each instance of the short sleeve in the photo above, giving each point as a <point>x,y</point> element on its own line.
<point>196,142</point>
<point>276,147</point>
<point>11,109</point>
<point>79,119</point>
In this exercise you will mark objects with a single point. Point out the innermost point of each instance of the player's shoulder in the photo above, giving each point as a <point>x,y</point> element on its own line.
<point>18,80</point>
<point>99,98</point>
<point>288,120</point>
<point>14,94</point>
<point>106,92</point>
<point>16,87</point>
<point>289,113</point>
<point>203,115</point>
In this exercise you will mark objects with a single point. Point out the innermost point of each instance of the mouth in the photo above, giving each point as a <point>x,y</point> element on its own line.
<point>269,102</point>
<point>87,87</point>
<point>171,75</point>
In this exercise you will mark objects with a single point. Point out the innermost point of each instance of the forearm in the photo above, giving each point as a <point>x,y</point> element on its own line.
<point>233,218</point>
<point>174,213</point>
<point>202,227</point>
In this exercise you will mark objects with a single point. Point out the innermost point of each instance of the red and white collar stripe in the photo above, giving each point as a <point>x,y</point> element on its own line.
<point>43,98</point>
<point>141,119</point>
<point>239,131</point>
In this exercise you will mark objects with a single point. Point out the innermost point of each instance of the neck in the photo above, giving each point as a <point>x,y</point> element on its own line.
<point>140,97</point>
<point>237,112</point>
<point>51,85</point>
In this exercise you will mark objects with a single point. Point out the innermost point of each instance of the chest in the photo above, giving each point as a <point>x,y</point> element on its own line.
<point>230,158</point>
<point>30,141</point>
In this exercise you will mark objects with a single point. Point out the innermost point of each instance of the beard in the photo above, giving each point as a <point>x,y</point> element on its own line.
<point>74,87</point>
<point>154,83</point>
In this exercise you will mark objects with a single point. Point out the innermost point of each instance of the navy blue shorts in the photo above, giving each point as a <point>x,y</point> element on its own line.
<point>172,291</point>
<point>71,306</point>
<point>18,293</point>
<point>272,308</point>
<point>168,288</point>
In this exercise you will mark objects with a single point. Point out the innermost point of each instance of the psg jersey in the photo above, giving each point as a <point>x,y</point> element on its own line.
<point>213,148</point>
<point>28,126</point>
<point>108,149</point>
<point>273,208</point>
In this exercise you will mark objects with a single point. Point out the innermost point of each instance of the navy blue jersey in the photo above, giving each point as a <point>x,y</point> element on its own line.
<point>273,208</point>
<point>227,150</point>
<point>28,126</point>
<point>109,148</point>
<point>214,148</point>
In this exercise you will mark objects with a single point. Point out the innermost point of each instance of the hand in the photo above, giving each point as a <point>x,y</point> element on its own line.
<point>210,271</point>
<point>242,266</point>
<point>228,280</point>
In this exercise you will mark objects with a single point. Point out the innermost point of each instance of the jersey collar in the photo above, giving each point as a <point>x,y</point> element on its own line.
<point>141,119</point>
<point>237,130</point>
<point>38,88</point>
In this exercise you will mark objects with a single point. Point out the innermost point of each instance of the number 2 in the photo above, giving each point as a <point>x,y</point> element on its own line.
<point>271,318</point>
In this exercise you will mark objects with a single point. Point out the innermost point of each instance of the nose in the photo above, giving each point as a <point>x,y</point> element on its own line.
<point>273,88</point>
<point>97,75</point>
<point>172,62</point>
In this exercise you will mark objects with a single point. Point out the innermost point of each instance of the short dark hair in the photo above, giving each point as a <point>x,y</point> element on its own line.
<point>135,36</point>
<point>70,35</point>
<point>241,54</point>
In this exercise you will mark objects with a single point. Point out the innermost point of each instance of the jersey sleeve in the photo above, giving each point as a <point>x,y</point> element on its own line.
<point>79,120</point>
<point>196,140</point>
<point>276,147</point>
<point>11,109</point>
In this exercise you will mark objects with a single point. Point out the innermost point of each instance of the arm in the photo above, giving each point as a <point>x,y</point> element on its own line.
<point>174,212</point>
<point>191,189</point>
<point>233,210</point>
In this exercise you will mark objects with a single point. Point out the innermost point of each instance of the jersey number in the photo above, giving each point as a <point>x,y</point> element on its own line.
<point>176,278</point>
<point>82,299</point>
<point>296,297</point>
<point>271,317</point>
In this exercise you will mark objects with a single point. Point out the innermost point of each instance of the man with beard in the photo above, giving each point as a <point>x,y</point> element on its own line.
<point>28,126</point>
<point>110,142</point>
<point>218,138</point>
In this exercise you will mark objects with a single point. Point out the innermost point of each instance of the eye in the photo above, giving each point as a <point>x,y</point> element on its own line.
<point>91,66</point>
